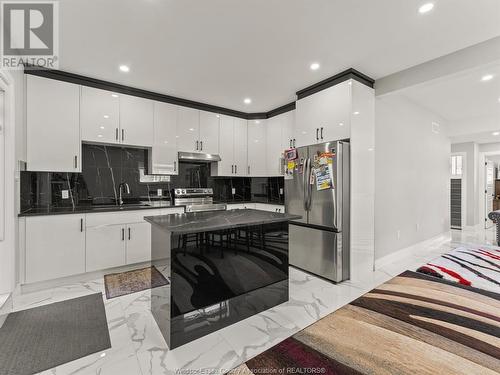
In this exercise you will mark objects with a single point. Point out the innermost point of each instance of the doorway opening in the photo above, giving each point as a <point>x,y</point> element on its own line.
<point>457,195</point>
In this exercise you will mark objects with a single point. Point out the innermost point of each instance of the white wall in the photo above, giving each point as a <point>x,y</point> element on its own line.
<point>14,150</point>
<point>412,169</point>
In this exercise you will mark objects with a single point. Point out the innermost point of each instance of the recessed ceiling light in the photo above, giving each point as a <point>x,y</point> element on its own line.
<point>257,121</point>
<point>101,127</point>
<point>247,100</point>
<point>99,135</point>
<point>314,66</point>
<point>106,116</point>
<point>356,113</point>
<point>499,100</point>
<point>218,116</point>
<point>496,133</point>
<point>371,149</point>
<point>124,68</point>
<point>487,77</point>
<point>114,95</point>
<point>191,129</point>
<point>427,7</point>
<point>341,124</point>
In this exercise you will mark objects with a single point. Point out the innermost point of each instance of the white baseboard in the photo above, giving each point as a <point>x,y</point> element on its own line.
<point>5,307</point>
<point>403,253</point>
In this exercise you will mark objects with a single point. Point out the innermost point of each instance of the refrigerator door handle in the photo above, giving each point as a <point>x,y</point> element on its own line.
<point>305,182</point>
<point>309,186</point>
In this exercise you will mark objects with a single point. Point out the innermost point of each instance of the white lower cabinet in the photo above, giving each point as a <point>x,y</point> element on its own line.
<point>55,246</point>
<point>65,245</point>
<point>138,243</point>
<point>105,247</point>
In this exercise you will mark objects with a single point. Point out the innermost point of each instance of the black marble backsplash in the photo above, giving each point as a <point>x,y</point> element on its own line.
<point>105,167</point>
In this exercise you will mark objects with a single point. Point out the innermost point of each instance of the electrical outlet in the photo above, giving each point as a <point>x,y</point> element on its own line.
<point>398,233</point>
<point>233,191</point>
<point>159,192</point>
<point>65,194</point>
<point>281,191</point>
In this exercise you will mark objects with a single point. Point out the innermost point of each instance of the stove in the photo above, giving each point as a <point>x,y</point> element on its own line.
<point>196,199</point>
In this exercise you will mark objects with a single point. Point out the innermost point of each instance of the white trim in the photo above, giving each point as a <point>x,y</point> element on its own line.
<point>464,186</point>
<point>9,242</point>
<point>5,307</point>
<point>399,255</point>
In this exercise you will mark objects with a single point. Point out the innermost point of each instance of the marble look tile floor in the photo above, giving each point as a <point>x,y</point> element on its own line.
<point>139,349</point>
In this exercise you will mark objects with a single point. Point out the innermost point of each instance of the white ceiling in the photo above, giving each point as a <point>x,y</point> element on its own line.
<point>470,106</point>
<point>221,51</point>
<point>462,96</point>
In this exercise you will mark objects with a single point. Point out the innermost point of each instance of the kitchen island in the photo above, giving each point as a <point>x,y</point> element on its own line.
<point>222,267</point>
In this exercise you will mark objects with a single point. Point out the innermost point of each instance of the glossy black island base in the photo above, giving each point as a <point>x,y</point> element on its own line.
<point>223,266</point>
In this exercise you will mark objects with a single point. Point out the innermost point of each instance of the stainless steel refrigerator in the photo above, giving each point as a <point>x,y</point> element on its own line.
<point>320,242</point>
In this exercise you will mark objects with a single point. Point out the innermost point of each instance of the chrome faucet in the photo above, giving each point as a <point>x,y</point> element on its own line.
<point>127,189</point>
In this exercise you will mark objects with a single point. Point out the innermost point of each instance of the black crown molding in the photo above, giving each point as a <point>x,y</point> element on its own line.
<point>127,90</point>
<point>335,80</point>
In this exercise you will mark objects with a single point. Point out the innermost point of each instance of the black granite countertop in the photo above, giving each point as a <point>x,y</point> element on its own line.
<point>193,222</point>
<point>46,211</point>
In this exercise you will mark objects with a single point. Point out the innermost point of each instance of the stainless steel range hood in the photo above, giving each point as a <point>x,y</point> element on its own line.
<point>198,156</point>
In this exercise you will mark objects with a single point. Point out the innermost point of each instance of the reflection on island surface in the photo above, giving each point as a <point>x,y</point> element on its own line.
<point>218,278</point>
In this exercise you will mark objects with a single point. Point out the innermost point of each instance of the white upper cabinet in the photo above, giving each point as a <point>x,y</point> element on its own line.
<point>232,147</point>
<point>136,121</point>
<point>240,147</point>
<point>53,125</point>
<point>257,153</point>
<point>164,150</point>
<point>209,133</point>
<point>99,115</point>
<point>288,139</point>
<point>188,129</point>
<point>274,145</point>
<point>225,167</point>
<point>324,116</point>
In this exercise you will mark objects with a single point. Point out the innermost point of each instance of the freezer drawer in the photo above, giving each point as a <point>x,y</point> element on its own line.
<point>319,252</point>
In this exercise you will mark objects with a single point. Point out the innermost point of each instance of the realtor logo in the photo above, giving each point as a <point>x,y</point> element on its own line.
<point>29,34</point>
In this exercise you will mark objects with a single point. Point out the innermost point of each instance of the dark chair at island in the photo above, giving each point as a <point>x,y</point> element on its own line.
<point>223,267</point>
<point>495,217</point>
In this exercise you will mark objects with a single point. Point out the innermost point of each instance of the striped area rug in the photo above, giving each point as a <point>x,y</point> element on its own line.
<point>412,324</point>
<point>475,266</point>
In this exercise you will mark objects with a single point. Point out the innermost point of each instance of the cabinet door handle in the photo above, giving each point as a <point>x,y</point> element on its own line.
<point>129,233</point>
<point>235,169</point>
<point>201,145</point>
<point>197,145</point>
<point>116,133</point>
<point>123,234</point>
<point>322,133</point>
<point>123,134</point>
<point>232,168</point>
<point>248,169</point>
<point>290,143</point>
<point>317,134</point>
<point>175,166</point>
<point>81,225</point>
<point>76,161</point>
<point>294,142</point>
